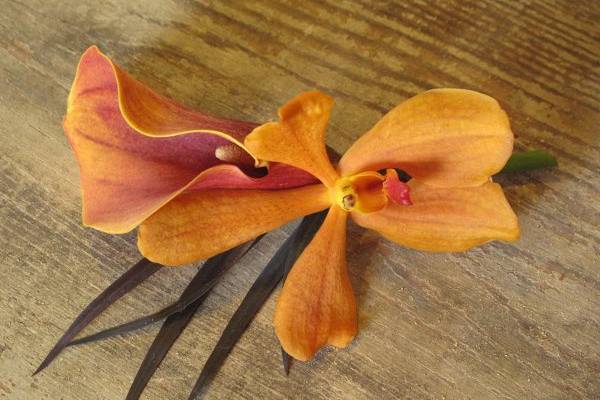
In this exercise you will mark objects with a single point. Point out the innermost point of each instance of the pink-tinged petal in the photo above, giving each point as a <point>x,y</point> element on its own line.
<point>198,225</point>
<point>444,137</point>
<point>146,111</point>
<point>228,176</point>
<point>446,219</point>
<point>317,305</point>
<point>125,175</point>
<point>154,115</point>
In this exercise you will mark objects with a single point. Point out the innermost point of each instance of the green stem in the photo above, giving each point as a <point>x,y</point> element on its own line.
<point>529,160</point>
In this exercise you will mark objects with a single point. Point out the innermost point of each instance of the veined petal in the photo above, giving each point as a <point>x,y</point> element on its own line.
<point>317,305</point>
<point>298,138</point>
<point>198,225</point>
<point>126,176</point>
<point>444,137</point>
<point>446,219</point>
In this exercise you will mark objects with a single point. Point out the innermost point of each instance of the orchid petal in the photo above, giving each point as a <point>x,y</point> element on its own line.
<point>446,219</point>
<point>317,305</point>
<point>151,114</point>
<point>444,137</point>
<point>298,138</point>
<point>198,225</point>
<point>125,175</point>
<point>154,115</point>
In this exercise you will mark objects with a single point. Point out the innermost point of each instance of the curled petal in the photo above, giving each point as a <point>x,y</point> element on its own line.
<point>444,137</point>
<point>317,305</point>
<point>148,112</point>
<point>298,138</point>
<point>125,175</point>
<point>446,219</point>
<point>198,225</point>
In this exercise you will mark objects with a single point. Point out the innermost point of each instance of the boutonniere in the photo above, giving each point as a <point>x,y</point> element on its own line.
<point>198,187</point>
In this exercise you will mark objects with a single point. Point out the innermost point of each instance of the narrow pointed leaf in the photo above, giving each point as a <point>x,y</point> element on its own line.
<point>131,325</point>
<point>286,360</point>
<point>177,322</point>
<point>529,160</point>
<point>257,295</point>
<point>198,288</point>
<point>126,282</point>
<point>168,334</point>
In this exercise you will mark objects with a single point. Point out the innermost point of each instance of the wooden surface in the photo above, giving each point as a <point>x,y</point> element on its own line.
<point>499,322</point>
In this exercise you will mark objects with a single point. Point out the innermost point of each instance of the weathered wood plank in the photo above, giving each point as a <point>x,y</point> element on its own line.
<point>501,321</point>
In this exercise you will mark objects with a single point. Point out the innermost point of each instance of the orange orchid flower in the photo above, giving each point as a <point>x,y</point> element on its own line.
<point>450,141</point>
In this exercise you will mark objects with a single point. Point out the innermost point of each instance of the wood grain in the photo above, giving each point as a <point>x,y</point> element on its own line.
<point>499,322</point>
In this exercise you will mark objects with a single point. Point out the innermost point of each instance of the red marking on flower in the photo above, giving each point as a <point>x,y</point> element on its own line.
<point>397,191</point>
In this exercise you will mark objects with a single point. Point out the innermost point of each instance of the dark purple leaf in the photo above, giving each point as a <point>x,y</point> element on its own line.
<point>212,269</point>
<point>129,280</point>
<point>198,288</point>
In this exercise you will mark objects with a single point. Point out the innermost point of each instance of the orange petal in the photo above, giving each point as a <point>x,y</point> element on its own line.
<point>317,305</point>
<point>298,138</point>
<point>444,137</point>
<point>446,219</point>
<point>126,176</point>
<point>198,225</point>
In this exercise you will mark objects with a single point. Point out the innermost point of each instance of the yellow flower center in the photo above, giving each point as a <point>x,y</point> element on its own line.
<point>362,192</point>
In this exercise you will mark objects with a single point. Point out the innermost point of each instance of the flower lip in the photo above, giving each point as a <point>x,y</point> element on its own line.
<point>370,191</point>
<point>361,192</point>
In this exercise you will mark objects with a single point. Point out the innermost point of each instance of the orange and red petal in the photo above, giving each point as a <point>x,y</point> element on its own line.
<point>147,111</point>
<point>317,306</point>
<point>298,138</point>
<point>446,219</point>
<point>198,225</point>
<point>125,175</point>
<point>444,137</point>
